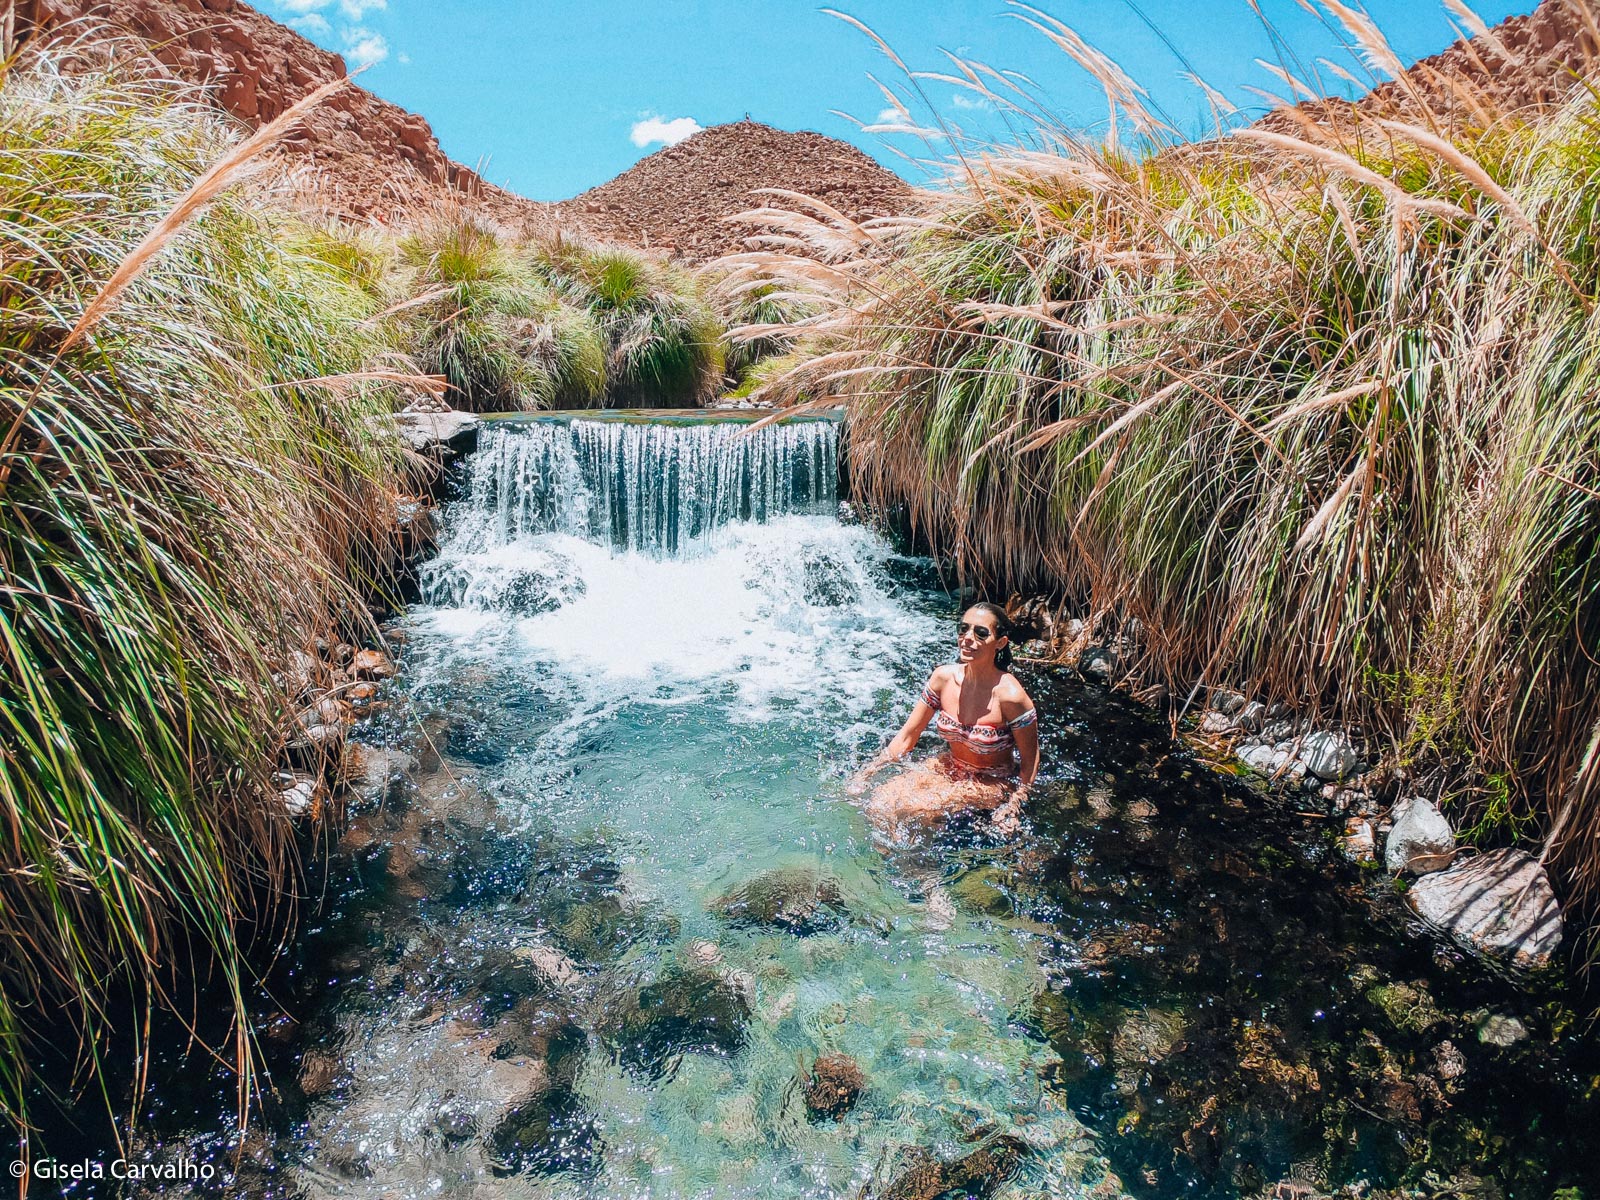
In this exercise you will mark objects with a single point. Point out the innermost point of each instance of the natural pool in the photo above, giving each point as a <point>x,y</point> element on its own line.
<point>589,948</point>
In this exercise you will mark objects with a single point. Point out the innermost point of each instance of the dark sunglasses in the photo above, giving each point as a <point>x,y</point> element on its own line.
<point>982,633</point>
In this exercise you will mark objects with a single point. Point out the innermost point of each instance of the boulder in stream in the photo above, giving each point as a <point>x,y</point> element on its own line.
<point>1499,904</point>
<point>687,1011</point>
<point>981,1173</point>
<point>796,899</point>
<point>832,1087</point>
<point>1420,839</point>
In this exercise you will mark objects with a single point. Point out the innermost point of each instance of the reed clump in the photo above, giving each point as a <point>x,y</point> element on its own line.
<point>191,488</point>
<point>1311,407</point>
<point>551,324</point>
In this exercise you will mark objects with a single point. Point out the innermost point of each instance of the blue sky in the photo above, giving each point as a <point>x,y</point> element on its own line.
<point>549,97</point>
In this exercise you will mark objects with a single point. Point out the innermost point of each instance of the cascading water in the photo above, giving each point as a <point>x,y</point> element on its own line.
<point>649,488</point>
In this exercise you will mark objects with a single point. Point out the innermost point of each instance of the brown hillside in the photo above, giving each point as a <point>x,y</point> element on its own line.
<point>1524,63</point>
<point>363,157</point>
<point>676,198</point>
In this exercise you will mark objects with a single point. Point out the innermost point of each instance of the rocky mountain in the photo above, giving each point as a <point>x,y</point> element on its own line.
<point>356,155</point>
<point>361,157</point>
<point>1525,62</point>
<point>676,198</point>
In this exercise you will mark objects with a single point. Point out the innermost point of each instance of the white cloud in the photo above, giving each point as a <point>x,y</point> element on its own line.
<point>356,9</point>
<point>363,47</point>
<point>403,59</point>
<point>304,6</point>
<point>962,100</point>
<point>891,116</point>
<point>312,25</point>
<point>659,129</point>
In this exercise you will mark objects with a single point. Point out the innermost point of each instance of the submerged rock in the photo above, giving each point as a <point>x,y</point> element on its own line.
<point>378,776</point>
<point>795,899</point>
<point>1409,1006</point>
<point>1499,904</point>
<point>833,1086</point>
<point>547,1135</point>
<point>1496,1029</point>
<point>982,891</point>
<point>1420,840</point>
<point>980,1174</point>
<point>693,1011</point>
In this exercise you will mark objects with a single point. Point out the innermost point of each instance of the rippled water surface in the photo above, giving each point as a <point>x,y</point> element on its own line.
<point>623,905</point>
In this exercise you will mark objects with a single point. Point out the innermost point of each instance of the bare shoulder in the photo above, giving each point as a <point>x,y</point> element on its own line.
<point>942,674</point>
<point>1013,697</point>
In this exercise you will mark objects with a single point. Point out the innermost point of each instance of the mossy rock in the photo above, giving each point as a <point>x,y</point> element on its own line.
<point>979,1174</point>
<point>687,1011</point>
<point>1409,1006</point>
<point>797,900</point>
<point>550,1134</point>
<point>832,1087</point>
<point>982,891</point>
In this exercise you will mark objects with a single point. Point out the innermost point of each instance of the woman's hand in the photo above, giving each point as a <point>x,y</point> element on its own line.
<point>1007,819</point>
<point>862,779</point>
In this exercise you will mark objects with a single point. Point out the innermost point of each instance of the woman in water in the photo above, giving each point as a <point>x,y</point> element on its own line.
<point>980,709</point>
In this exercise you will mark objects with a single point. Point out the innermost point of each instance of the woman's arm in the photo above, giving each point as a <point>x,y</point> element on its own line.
<point>1024,726</point>
<point>1027,750</point>
<point>902,743</point>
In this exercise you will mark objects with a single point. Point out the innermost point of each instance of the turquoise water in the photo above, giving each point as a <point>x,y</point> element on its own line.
<point>635,718</point>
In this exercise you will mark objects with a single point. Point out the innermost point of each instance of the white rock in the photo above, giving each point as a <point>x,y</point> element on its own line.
<point>1216,722</point>
<point>557,969</point>
<point>1252,715</point>
<point>1420,840</point>
<point>1497,1029</point>
<point>446,431</point>
<point>1329,755</point>
<point>1227,703</point>
<point>298,799</point>
<point>1499,904</point>
<point>1359,843</point>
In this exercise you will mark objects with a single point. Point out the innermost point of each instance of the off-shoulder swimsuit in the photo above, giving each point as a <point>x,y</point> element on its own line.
<point>981,738</point>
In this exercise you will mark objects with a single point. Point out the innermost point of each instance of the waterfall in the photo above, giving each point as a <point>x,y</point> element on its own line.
<point>537,491</point>
<point>649,488</point>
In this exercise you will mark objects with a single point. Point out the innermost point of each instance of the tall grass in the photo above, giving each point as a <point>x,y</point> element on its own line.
<point>181,510</point>
<point>663,341</point>
<point>551,324</point>
<point>498,333</point>
<point>1316,409</point>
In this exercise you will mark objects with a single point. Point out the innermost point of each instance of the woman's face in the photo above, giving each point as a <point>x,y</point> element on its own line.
<point>977,637</point>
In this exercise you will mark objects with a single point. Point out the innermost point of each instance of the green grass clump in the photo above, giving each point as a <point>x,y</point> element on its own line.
<point>663,342</point>
<point>500,336</point>
<point>181,507</point>
<point>1319,414</point>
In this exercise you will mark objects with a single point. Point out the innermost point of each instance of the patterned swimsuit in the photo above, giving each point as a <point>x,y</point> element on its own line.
<point>980,738</point>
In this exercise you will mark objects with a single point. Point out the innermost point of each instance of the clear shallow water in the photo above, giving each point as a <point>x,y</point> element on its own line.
<point>519,980</point>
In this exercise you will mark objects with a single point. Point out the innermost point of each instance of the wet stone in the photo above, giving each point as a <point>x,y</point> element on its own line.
<point>797,900</point>
<point>833,1086</point>
<point>1408,1006</point>
<point>550,1134</point>
<point>455,1121</point>
<point>692,1011</point>
<point>1496,1029</point>
<point>979,1174</point>
<point>981,891</point>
